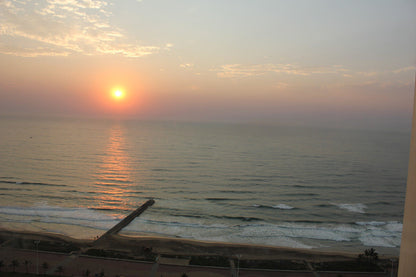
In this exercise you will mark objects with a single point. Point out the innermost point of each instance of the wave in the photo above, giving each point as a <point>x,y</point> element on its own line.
<point>240,218</point>
<point>279,206</point>
<point>303,234</point>
<point>179,215</point>
<point>354,208</point>
<point>234,179</point>
<point>291,234</point>
<point>181,224</point>
<point>298,231</point>
<point>283,207</point>
<point>16,189</point>
<point>59,219</point>
<point>378,241</point>
<point>371,223</point>
<point>44,210</point>
<point>235,191</point>
<point>160,169</point>
<point>300,194</point>
<point>113,210</point>
<point>381,203</point>
<point>324,205</point>
<point>383,234</point>
<point>220,199</point>
<point>392,226</point>
<point>31,183</point>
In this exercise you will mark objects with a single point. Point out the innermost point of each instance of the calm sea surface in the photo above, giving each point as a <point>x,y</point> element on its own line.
<point>281,186</point>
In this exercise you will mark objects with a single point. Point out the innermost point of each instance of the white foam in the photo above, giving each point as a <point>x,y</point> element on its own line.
<point>281,241</point>
<point>371,223</point>
<point>384,234</point>
<point>313,231</point>
<point>279,206</point>
<point>54,211</point>
<point>394,226</point>
<point>354,208</point>
<point>370,240</point>
<point>347,228</point>
<point>282,207</point>
<point>44,213</point>
<point>290,234</point>
<point>261,233</point>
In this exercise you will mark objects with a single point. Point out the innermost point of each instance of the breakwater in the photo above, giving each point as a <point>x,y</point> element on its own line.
<point>126,221</point>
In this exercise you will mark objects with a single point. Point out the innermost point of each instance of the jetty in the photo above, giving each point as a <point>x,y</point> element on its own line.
<point>126,221</point>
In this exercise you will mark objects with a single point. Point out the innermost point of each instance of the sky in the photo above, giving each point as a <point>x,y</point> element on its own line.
<point>322,62</point>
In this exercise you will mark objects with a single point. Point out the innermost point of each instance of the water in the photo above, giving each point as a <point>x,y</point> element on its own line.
<point>281,186</point>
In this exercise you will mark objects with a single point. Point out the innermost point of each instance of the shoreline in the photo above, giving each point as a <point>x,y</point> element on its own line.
<point>354,246</point>
<point>119,255</point>
<point>178,246</point>
<point>335,248</point>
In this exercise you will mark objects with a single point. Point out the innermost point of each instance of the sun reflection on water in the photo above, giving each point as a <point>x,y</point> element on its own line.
<point>113,178</point>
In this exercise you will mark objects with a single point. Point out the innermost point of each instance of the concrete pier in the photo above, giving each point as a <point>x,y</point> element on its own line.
<point>126,221</point>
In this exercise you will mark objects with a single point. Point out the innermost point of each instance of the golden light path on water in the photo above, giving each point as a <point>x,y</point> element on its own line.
<point>113,176</point>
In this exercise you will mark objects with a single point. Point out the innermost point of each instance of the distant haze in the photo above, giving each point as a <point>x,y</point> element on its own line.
<point>326,63</point>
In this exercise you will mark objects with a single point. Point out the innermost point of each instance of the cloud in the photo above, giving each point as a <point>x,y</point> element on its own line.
<point>64,27</point>
<point>32,52</point>
<point>368,73</point>
<point>405,69</point>
<point>281,85</point>
<point>386,72</point>
<point>186,65</point>
<point>243,71</point>
<point>384,78</point>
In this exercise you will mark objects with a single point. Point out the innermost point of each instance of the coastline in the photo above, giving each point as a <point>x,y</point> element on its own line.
<point>146,255</point>
<point>176,246</point>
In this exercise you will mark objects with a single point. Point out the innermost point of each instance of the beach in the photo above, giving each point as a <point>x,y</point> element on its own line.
<point>118,255</point>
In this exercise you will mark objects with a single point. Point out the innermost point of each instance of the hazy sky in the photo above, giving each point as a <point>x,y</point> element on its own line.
<point>292,62</point>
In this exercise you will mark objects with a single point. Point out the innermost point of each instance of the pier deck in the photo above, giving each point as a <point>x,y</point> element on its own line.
<point>126,221</point>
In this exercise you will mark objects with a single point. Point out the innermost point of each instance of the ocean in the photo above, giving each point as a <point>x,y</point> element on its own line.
<point>301,187</point>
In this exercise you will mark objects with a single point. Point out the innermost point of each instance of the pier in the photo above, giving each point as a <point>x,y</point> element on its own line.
<point>126,221</point>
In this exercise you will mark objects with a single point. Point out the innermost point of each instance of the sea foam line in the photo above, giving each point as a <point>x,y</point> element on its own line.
<point>354,208</point>
<point>279,206</point>
<point>45,211</point>
<point>292,234</point>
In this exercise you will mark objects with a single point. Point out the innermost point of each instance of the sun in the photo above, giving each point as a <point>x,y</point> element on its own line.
<point>118,94</point>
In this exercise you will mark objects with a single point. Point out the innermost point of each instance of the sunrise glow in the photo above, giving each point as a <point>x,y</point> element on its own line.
<point>118,94</point>
<point>113,58</point>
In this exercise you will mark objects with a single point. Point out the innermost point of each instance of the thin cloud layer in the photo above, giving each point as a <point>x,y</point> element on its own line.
<point>242,71</point>
<point>61,28</point>
<point>239,71</point>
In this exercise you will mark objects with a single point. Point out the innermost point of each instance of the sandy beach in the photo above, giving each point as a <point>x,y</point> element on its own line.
<point>118,255</point>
